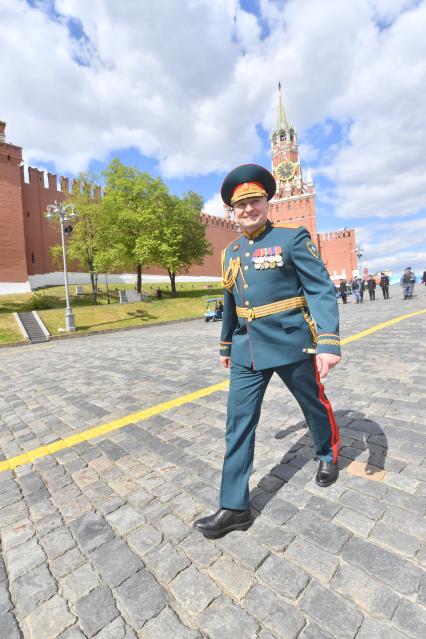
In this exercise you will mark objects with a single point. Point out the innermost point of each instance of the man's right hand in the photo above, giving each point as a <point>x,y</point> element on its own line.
<point>225,361</point>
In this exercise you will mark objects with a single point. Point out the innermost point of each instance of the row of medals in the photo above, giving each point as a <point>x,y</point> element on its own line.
<point>267,261</point>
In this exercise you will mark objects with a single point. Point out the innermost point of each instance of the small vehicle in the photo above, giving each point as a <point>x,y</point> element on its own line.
<point>214,309</point>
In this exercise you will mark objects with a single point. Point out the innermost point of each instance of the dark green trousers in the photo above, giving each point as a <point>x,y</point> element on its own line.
<point>246,392</point>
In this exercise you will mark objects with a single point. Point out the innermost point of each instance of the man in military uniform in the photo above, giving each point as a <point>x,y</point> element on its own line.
<point>384,283</point>
<point>274,279</point>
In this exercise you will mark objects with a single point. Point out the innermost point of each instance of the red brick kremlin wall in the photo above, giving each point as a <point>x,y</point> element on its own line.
<point>26,236</point>
<point>13,262</point>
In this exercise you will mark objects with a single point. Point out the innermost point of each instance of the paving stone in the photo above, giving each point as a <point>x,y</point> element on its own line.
<point>271,535</point>
<point>173,528</point>
<point>373,629</point>
<point>67,562</point>
<point>411,619</point>
<point>79,583</point>
<point>154,511</point>
<point>321,532</point>
<point>140,598</point>
<point>315,560</point>
<point>167,625</point>
<point>200,550</point>
<point>32,589</point>
<point>9,626</point>
<point>225,620</point>
<point>409,522</point>
<point>19,533</point>
<point>322,507</point>
<point>410,502</point>
<point>125,519</point>
<point>337,615</point>
<point>395,540</point>
<point>282,577</point>
<point>49,619</point>
<point>144,539</point>
<point>231,577</point>
<point>115,562</point>
<point>165,562</point>
<point>397,573</point>
<point>46,524</point>
<point>117,629</point>
<point>57,542</point>
<point>186,508</point>
<point>193,590</point>
<point>91,530</point>
<point>72,633</point>
<point>279,511</point>
<point>282,618</point>
<point>5,602</point>
<point>314,632</point>
<point>24,558</point>
<point>367,593</point>
<point>244,548</point>
<point>354,521</point>
<point>364,504</point>
<point>96,609</point>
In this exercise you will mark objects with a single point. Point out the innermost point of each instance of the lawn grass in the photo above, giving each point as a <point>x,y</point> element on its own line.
<point>9,331</point>
<point>88,317</point>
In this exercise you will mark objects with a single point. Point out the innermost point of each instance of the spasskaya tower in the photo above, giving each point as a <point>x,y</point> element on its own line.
<point>294,200</point>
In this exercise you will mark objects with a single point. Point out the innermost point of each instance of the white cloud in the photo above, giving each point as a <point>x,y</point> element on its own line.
<point>214,206</point>
<point>186,82</point>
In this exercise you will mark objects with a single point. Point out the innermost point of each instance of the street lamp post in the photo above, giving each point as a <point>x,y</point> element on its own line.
<point>359,254</point>
<point>64,214</point>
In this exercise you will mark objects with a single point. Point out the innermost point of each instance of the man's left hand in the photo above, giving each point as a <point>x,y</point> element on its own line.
<point>325,362</point>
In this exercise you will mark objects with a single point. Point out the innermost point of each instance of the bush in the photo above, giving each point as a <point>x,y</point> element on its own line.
<point>38,302</point>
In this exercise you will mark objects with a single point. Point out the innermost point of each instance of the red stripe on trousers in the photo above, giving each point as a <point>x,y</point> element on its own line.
<point>335,435</point>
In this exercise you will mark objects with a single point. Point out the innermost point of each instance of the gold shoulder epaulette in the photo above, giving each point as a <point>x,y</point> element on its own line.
<point>285,225</point>
<point>233,242</point>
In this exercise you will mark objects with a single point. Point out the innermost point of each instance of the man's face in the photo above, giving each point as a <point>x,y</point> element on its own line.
<point>251,213</point>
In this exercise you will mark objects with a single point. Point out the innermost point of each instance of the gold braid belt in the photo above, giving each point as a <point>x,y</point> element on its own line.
<point>277,307</point>
<point>270,309</point>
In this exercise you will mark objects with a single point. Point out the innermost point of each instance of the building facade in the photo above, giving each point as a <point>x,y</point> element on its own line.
<point>26,236</point>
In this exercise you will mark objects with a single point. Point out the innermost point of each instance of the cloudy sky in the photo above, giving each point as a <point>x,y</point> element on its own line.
<point>187,89</point>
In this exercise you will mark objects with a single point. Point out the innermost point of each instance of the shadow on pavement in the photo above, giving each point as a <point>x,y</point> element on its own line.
<point>361,439</point>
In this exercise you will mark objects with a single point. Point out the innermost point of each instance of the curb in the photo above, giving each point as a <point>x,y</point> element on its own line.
<point>77,334</point>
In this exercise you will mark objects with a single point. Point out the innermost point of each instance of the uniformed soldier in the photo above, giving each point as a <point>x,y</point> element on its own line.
<point>274,280</point>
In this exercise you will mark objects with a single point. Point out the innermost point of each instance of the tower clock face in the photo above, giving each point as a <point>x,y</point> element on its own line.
<point>286,170</point>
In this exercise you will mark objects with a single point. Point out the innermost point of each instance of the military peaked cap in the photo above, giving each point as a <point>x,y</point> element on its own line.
<point>248,180</point>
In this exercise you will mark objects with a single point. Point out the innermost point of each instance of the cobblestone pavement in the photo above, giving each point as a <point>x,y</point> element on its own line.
<point>97,541</point>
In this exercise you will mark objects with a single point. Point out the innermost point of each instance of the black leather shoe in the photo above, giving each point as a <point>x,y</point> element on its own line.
<point>224,521</point>
<point>327,474</point>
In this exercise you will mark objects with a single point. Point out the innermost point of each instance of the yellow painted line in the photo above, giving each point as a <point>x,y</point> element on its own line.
<point>102,429</point>
<point>116,424</point>
<point>379,327</point>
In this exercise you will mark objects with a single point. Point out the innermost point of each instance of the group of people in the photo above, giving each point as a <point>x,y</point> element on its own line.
<point>357,286</point>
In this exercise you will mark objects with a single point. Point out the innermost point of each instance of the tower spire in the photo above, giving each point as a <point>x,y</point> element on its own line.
<point>282,121</point>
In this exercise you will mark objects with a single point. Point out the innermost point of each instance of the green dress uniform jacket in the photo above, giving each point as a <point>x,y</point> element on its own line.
<point>261,342</point>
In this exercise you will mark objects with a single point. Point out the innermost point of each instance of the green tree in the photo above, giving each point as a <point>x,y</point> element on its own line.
<point>133,198</point>
<point>87,239</point>
<point>179,237</point>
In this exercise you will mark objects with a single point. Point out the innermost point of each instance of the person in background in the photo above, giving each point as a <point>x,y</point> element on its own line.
<point>343,290</point>
<point>407,281</point>
<point>371,285</point>
<point>356,289</point>
<point>159,294</point>
<point>384,283</point>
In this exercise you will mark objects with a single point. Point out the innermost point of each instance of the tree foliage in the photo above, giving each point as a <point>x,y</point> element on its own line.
<point>132,199</point>
<point>178,238</point>
<point>88,240</point>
